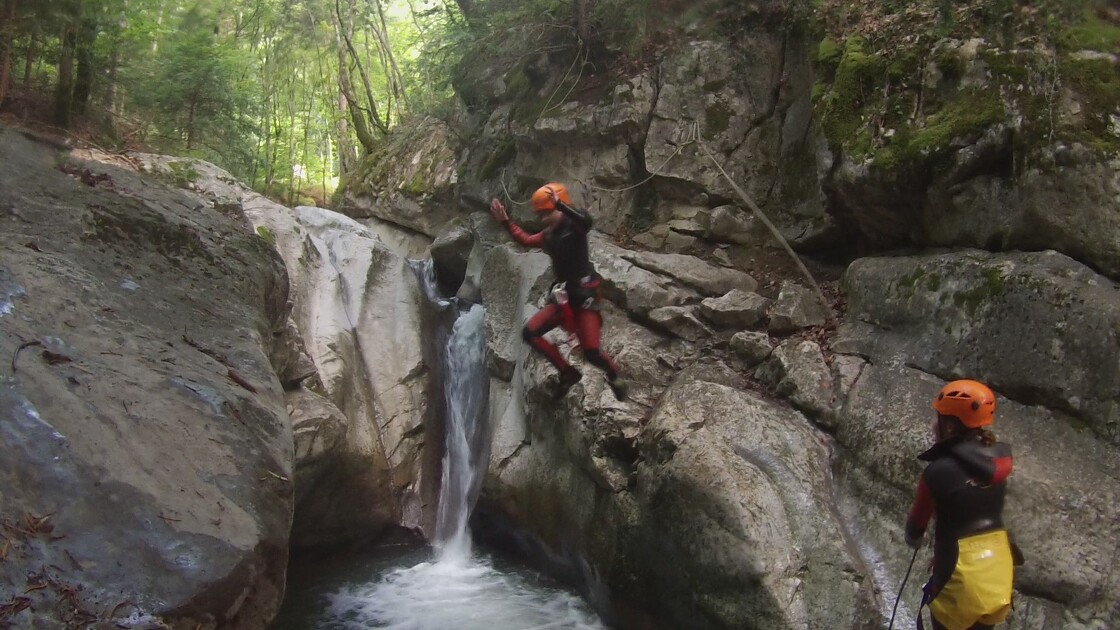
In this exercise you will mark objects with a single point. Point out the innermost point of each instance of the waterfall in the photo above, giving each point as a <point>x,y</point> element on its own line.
<point>458,588</point>
<point>462,374</point>
<point>465,393</point>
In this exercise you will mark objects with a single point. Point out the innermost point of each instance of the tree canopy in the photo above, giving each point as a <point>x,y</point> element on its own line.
<point>285,94</point>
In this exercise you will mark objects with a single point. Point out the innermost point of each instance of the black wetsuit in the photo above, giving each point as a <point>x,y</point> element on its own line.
<point>964,485</point>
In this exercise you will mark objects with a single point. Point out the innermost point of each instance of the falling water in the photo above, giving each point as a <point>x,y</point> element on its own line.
<point>458,587</point>
<point>465,393</point>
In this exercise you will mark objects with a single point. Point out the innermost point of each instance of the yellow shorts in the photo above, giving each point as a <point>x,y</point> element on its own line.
<point>979,591</point>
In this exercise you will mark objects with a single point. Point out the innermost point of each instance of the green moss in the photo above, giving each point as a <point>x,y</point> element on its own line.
<point>1092,33</point>
<point>717,118</point>
<point>933,282</point>
<point>266,235</point>
<point>1097,85</point>
<point>828,53</point>
<point>527,105</point>
<point>994,281</point>
<point>503,154</point>
<point>909,282</point>
<point>1005,66</point>
<point>418,185</point>
<point>951,64</point>
<point>992,285</point>
<point>971,113</point>
<point>820,89</point>
<point>858,76</point>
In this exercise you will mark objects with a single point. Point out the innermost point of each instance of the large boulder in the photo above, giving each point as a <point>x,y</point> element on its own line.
<point>368,360</point>
<point>147,466</point>
<point>1040,327</point>
<point>760,546</point>
<point>410,181</point>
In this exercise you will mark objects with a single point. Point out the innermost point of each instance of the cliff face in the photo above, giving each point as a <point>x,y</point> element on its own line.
<point>965,128</point>
<point>974,125</point>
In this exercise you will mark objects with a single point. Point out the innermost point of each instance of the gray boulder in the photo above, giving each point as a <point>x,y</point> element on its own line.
<point>147,466</point>
<point>1038,326</point>
<point>736,309</point>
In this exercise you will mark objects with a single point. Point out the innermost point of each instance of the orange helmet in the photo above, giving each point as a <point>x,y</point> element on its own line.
<point>542,199</point>
<point>969,401</point>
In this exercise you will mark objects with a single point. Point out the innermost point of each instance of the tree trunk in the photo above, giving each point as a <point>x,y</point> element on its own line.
<point>83,82</point>
<point>7,28</point>
<point>392,72</point>
<point>64,93</point>
<point>346,155</point>
<point>111,80</point>
<point>371,102</point>
<point>29,63</point>
<point>583,20</point>
<point>357,116</point>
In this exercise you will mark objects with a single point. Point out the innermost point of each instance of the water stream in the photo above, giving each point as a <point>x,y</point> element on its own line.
<point>449,585</point>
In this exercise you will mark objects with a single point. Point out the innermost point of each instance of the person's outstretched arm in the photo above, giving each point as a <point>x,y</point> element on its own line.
<point>521,236</point>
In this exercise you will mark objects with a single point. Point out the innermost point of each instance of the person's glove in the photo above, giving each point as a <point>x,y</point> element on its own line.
<point>914,541</point>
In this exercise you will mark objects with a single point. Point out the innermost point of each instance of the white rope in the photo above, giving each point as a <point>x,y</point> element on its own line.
<point>773,230</point>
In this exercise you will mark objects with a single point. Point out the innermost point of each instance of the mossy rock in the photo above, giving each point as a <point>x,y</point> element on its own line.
<point>829,54</point>
<point>502,155</point>
<point>858,76</point>
<point>717,118</point>
<point>1096,82</point>
<point>1092,33</point>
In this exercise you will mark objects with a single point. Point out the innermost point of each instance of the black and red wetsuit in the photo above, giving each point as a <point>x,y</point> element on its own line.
<point>964,486</point>
<point>567,247</point>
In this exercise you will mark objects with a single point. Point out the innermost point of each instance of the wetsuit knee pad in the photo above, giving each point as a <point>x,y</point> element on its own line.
<point>528,334</point>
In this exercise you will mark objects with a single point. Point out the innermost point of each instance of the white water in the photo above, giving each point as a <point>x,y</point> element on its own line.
<point>458,589</point>
<point>456,595</point>
<point>465,381</point>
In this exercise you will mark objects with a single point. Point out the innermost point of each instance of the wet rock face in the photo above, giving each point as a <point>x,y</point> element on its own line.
<point>147,453</point>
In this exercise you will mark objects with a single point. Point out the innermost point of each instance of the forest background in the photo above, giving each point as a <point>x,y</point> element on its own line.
<point>291,95</point>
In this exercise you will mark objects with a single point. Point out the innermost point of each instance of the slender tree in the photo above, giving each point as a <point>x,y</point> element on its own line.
<point>7,42</point>
<point>64,92</point>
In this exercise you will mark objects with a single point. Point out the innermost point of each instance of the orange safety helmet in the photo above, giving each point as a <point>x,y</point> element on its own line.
<point>542,199</point>
<point>969,401</point>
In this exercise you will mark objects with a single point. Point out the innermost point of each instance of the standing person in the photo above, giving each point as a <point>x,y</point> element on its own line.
<point>574,301</point>
<point>964,487</point>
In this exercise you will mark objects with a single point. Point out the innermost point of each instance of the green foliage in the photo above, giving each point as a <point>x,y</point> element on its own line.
<point>1092,33</point>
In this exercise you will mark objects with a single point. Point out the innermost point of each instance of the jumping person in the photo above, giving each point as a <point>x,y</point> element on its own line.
<point>964,487</point>
<point>574,301</point>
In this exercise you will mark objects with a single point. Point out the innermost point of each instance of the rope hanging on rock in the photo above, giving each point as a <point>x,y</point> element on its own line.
<point>773,230</point>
